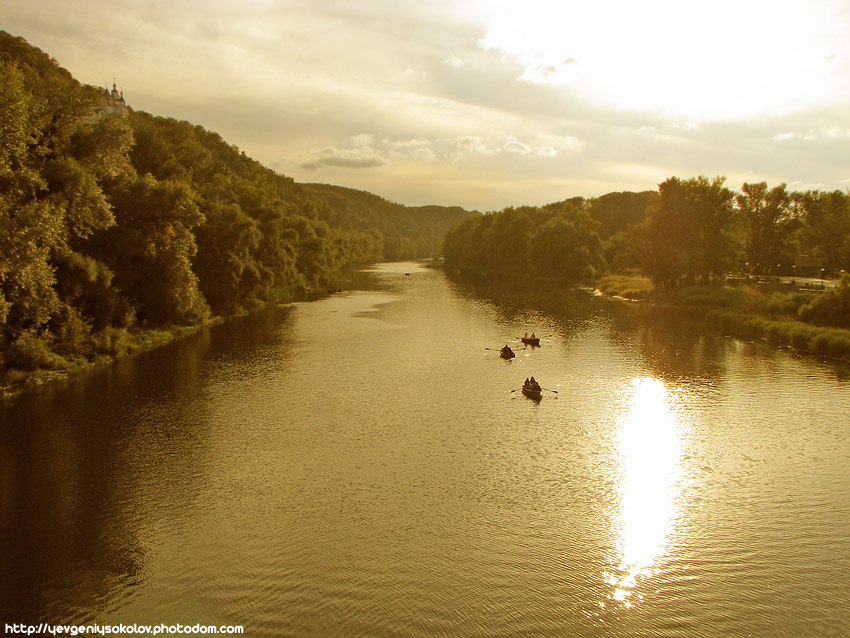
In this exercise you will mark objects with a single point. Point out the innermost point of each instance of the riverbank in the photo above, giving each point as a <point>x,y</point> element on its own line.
<point>50,366</point>
<point>44,363</point>
<point>743,312</point>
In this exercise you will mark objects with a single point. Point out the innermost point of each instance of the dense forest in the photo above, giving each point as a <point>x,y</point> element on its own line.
<point>557,240</point>
<point>114,224</point>
<point>691,232</point>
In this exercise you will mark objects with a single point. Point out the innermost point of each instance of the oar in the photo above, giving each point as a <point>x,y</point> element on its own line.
<point>550,390</point>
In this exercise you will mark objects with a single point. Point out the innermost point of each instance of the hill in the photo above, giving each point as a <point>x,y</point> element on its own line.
<point>406,230</point>
<point>114,220</point>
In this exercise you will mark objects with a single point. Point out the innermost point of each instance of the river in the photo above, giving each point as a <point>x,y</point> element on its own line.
<point>364,465</point>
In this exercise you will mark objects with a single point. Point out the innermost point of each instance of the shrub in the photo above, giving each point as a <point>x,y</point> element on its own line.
<point>830,308</point>
<point>780,303</point>
<point>33,351</point>
<point>111,341</point>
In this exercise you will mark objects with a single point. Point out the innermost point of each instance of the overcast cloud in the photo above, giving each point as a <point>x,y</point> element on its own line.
<point>482,104</point>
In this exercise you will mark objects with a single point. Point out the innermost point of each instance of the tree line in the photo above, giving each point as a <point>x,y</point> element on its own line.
<point>557,240</point>
<point>697,231</point>
<point>690,232</point>
<point>112,224</point>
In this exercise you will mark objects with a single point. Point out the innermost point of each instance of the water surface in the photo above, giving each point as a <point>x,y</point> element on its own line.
<point>364,465</point>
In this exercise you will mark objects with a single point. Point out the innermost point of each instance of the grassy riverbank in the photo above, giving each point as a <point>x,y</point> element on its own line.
<point>40,365</point>
<point>746,312</point>
<point>40,360</point>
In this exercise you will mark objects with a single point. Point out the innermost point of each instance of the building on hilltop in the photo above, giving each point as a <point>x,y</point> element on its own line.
<point>111,103</point>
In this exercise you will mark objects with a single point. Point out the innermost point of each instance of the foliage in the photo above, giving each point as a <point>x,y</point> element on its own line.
<point>825,342</point>
<point>831,308</point>
<point>619,212</point>
<point>689,232</point>
<point>558,240</point>
<point>114,223</point>
<point>568,246</point>
<point>769,223</point>
<point>825,229</point>
<point>630,285</point>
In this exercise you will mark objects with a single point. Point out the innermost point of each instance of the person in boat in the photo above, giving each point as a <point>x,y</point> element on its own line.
<point>532,336</point>
<point>525,336</point>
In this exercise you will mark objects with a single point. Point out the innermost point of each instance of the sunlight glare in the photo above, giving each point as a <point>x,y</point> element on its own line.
<point>649,452</point>
<point>730,59</point>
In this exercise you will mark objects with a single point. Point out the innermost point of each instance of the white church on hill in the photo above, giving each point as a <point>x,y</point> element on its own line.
<point>111,103</point>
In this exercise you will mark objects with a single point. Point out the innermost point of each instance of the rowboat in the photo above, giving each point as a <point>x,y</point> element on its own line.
<point>506,353</point>
<point>532,393</point>
<point>535,342</point>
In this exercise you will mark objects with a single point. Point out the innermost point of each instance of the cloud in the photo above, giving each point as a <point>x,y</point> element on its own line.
<point>361,157</point>
<point>481,104</point>
<point>548,71</point>
<point>362,139</point>
<point>655,58</point>
<point>517,147</point>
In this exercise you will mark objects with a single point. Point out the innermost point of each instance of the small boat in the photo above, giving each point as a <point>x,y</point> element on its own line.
<point>529,341</point>
<point>506,353</point>
<point>532,392</point>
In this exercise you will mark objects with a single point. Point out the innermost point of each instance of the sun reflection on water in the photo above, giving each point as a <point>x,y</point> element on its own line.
<point>649,453</point>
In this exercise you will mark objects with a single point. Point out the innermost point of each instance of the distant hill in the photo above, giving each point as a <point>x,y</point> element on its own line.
<point>407,230</point>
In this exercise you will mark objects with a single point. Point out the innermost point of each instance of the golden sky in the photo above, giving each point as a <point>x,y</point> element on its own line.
<point>483,104</point>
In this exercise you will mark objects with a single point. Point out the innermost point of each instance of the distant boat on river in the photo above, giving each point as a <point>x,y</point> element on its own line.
<point>506,352</point>
<point>532,391</point>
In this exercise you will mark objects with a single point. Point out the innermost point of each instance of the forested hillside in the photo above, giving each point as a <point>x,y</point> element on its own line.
<point>404,230</point>
<point>114,223</point>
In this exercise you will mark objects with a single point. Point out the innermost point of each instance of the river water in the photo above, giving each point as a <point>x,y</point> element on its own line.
<point>363,465</point>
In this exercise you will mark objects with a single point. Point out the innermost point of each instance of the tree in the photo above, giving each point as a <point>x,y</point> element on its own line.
<point>150,249</point>
<point>768,221</point>
<point>826,224</point>
<point>690,232</point>
<point>617,212</point>
<point>507,241</point>
<point>226,263</point>
<point>30,227</point>
<point>567,246</point>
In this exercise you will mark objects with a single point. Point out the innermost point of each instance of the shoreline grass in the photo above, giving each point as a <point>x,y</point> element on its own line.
<point>745,313</point>
<point>109,347</point>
